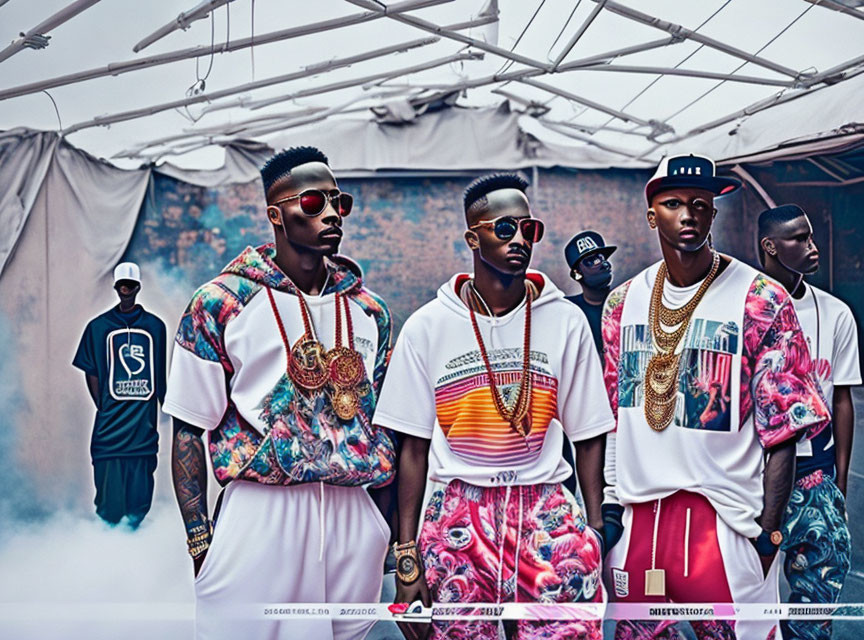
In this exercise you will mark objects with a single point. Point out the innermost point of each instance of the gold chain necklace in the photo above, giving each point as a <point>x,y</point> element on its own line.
<point>661,375</point>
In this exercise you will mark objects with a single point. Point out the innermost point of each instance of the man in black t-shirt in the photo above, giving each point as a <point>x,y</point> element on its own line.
<point>588,258</point>
<point>122,354</point>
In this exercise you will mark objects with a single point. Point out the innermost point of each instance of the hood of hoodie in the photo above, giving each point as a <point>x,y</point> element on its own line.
<point>448,294</point>
<point>257,264</point>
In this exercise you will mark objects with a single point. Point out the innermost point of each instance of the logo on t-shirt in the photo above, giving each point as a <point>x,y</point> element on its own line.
<point>705,372</point>
<point>621,582</point>
<point>130,364</point>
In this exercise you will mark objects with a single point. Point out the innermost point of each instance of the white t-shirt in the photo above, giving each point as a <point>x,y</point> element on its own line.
<point>832,336</point>
<point>437,387</point>
<point>742,387</point>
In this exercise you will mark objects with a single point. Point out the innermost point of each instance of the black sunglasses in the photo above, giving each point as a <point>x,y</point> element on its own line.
<point>314,201</point>
<point>505,227</point>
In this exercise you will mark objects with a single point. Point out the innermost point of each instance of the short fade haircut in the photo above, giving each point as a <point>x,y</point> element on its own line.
<point>770,219</point>
<point>281,164</point>
<point>483,185</point>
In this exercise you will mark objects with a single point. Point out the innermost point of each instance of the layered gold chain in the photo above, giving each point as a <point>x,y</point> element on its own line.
<point>661,375</point>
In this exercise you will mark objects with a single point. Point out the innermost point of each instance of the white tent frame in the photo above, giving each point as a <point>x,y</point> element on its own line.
<point>793,83</point>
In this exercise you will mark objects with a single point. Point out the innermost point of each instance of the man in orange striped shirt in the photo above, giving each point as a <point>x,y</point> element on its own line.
<point>485,382</point>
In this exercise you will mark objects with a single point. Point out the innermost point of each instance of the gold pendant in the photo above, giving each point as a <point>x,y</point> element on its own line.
<point>655,582</point>
<point>661,390</point>
<point>345,367</point>
<point>306,364</point>
<point>345,402</point>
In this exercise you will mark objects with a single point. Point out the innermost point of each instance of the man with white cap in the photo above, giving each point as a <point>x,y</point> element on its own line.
<point>708,374</point>
<point>122,354</point>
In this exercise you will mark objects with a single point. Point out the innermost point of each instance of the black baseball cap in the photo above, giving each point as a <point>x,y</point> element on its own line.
<point>688,171</point>
<point>585,243</point>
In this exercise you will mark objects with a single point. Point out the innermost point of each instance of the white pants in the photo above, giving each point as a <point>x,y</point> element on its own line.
<point>304,543</point>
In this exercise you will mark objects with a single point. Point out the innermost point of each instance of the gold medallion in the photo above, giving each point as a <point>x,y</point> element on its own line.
<point>306,364</point>
<point>345,367</point>
<point>345,402</point>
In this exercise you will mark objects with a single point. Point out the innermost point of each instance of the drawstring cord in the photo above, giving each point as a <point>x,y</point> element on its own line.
<point>507,494</point>
<point>518,545</point>
<point>501,548</point>
<point>654,539</point>
<point>321,522</point>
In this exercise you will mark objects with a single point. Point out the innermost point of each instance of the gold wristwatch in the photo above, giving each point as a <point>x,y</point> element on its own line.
<point>407,562</point>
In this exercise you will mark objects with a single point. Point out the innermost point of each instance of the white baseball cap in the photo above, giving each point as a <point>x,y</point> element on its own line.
<point>127,271</point>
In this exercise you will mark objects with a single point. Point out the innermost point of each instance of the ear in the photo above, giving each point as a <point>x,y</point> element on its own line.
<point>472,240</point>
<point>651,216</point>
<point>768,246</point>
<point>274,214</point>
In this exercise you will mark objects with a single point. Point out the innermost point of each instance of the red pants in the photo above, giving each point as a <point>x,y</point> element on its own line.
<point>701,559</point>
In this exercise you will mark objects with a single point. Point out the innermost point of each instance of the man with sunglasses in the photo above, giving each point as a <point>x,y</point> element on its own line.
<point>587,256</point>
<point>485,382</point>
<point>708,374</point>
<point>122,354</point>
<point>279,359</point>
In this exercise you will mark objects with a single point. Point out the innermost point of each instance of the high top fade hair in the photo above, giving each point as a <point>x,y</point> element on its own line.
<point>477,190</point>
<point>770,219</point>
<point>281,164</point>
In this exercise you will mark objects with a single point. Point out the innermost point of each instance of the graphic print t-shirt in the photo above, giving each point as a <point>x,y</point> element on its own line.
<point>437,387</point>
<point>832,336</point>
<point>744,385</point>
<point>126,353</point>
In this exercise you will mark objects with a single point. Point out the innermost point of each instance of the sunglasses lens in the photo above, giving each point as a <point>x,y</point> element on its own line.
<point>505,228</point>
<point>346,202</point>
<point>312,202</point>
<point>533,230</point>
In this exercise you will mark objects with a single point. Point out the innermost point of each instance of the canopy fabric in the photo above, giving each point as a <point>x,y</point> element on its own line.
<point>596,82</point>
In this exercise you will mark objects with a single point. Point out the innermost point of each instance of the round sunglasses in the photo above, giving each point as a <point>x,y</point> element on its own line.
<point>314,201</point>
<point>505,227</point>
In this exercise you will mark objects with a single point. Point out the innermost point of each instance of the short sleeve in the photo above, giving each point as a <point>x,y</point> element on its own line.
<point>611,330</point>
<point>582,404</point>
<point>200,368</point>
<point>85,357</point>
<point>845,362</point>
<point>787,400</point>
<point>407,402</point>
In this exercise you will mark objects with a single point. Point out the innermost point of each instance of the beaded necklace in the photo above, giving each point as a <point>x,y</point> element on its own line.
<point>519,416</point>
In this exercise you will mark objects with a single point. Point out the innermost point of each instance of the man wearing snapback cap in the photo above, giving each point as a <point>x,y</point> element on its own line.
<point>122,354</point>
<point>587,256</point>
<point>708,374</point>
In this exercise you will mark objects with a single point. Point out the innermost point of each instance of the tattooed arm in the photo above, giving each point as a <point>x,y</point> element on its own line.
<point>189,472</point>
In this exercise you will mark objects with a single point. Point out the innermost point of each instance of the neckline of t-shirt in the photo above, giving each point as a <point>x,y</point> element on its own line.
<point>668,286</point>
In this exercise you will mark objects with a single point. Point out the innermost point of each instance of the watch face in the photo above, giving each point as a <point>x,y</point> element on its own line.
<point>776,538</point>
<point>406,565</point>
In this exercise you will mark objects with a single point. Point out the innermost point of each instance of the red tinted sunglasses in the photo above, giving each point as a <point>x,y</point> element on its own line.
<point>505,227</point>
<point>314,201</point>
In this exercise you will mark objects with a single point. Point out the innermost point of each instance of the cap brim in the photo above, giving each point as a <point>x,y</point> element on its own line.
<point>607,251</point>
<point>717,186</point>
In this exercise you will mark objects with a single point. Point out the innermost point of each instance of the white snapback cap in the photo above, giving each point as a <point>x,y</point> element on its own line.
<point>127,271</point>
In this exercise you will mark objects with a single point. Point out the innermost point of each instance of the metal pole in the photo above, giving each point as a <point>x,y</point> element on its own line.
<point>675,71</point>
<point>64,15</point>
<point>586,101</point>
<point>117,68</point>
<point>683,32</point>
<point>347,84</point>
<point>579,33</point>
<point>258,84</point>
<point>425,25</point>
<point>182,21</point>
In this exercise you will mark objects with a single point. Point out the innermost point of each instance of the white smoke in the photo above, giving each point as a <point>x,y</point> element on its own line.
<point>74,576</point>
